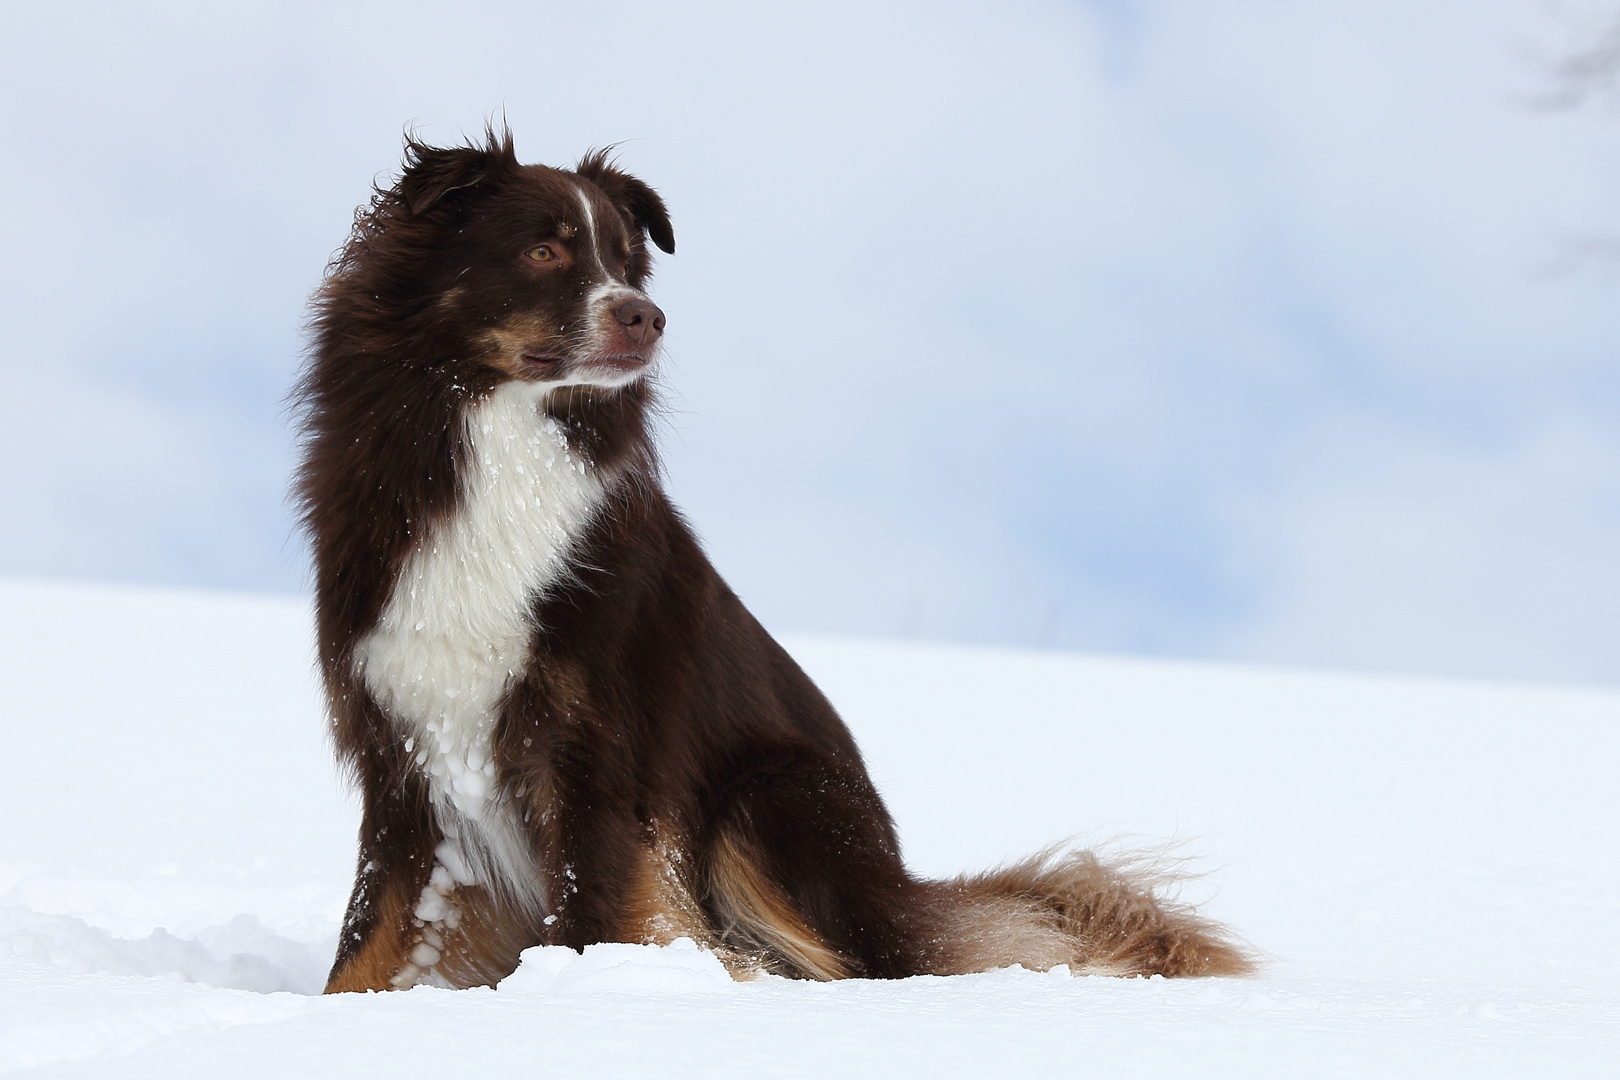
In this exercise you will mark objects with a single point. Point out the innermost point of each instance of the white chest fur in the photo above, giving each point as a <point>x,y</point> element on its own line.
<point>457,629</point>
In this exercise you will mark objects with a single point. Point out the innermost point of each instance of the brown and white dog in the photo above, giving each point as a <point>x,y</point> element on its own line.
<point>566,729</point>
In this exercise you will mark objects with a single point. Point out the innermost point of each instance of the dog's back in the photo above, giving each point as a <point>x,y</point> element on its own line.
<point>565,727</point>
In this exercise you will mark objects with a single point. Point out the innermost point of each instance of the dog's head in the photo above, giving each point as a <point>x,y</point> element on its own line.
<point>541,269</point>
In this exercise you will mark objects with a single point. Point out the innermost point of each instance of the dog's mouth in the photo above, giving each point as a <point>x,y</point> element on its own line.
<point>549,365</point>
<point>543,363</point>
<point>618,361</point>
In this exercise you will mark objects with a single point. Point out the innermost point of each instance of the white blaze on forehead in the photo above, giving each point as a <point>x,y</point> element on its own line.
<point>590,221</point>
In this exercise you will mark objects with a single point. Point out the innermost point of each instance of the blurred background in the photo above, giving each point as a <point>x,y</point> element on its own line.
<point>1270,331</point>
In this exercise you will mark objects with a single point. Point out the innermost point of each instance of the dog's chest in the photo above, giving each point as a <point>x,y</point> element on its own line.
<point>457,629</point>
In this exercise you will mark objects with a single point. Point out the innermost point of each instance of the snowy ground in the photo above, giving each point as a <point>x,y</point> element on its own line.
<point>1431,867</point>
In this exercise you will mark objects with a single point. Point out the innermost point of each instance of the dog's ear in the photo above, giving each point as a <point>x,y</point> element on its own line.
<point>431,173</point>
<point>633,196</point>
<point>647,209</point>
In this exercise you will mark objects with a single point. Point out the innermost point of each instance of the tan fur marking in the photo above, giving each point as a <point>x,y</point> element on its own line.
<point>483,949</point>
<point>480,950</point>
<point>757,916</point>
<point>383,954</point>
<point>506,343</point>
<point>659,907</point>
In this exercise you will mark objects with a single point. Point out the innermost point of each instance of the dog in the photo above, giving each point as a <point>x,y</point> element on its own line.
<point>564,727</point>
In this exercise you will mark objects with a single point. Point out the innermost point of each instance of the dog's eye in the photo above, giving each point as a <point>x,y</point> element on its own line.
<point>541,253</point>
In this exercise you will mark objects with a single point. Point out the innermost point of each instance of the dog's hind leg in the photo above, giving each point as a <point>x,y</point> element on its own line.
<point>802,869</point>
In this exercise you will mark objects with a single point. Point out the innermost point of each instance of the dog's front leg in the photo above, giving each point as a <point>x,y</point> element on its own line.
<point>596,865</point>
<point>414,918</point>
<point>397,839</point>
<point>571,770</point>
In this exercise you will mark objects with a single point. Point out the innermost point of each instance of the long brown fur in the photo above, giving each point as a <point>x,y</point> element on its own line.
<point>1073,907</point>
<point>672,771</point>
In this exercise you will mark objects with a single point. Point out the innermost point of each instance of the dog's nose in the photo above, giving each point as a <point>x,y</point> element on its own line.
<point>643,322</point>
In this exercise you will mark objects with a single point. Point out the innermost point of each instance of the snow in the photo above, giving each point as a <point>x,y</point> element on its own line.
<point>1429,866</point>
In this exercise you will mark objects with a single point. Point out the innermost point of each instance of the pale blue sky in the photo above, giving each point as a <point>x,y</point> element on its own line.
<point>1251,330</point>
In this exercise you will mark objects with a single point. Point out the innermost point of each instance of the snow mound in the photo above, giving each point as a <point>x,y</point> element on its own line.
<point>240,954</point>
<point>677,968</point>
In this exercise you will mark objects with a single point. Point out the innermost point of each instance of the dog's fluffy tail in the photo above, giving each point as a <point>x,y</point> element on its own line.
<point>1099,915</point>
